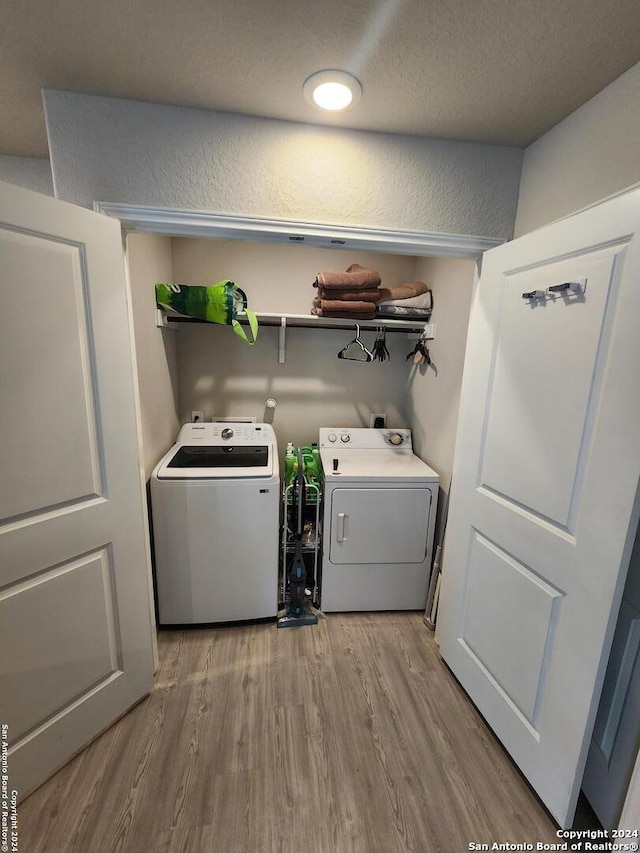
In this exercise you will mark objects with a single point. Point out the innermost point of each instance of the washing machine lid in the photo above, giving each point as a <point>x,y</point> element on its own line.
<point>221,451</point>
<point>212,462</point>
<point>380,465</point>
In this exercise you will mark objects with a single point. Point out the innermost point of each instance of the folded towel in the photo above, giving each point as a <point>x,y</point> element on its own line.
<point>397,312</point>
<point>423,301</point>
<point>346,315</point>
<point>355,278</point>
<point>346,310</point>
<point>407,290</point>
<point>372,295</point>
<point>340,305</point>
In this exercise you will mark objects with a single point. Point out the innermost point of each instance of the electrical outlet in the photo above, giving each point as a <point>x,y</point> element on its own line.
<point>196,417</point>
<point>374,420</point>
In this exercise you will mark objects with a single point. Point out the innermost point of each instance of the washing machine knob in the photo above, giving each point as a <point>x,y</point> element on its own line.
<point>332,437</point>
<point>396,438</point>
<point>345,437</point>
<point>227,432</point>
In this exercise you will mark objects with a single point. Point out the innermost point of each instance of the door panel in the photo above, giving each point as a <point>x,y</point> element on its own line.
<point>514,654</point>
<point>49,670</point>
<point>536,427</point>
<point>546,477</point>
<point>46,339</point>
<point>379,525</point>
<point>75,614</point>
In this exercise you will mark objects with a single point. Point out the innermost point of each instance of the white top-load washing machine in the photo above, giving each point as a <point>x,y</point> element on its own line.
<point>379,516</point>
<point>215,506</point>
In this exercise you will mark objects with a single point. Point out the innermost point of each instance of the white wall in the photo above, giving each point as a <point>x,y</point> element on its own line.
<point>433,393</point>
<point>123,151</point>
<point>592,154</point>
<point>149,261</point>
<point>274,276</point>
<point>222,376</point>
<point>32,173</point>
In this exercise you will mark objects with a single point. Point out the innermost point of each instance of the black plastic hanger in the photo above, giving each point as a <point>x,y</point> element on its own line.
<point>380,351</point>
<point>420,353</point>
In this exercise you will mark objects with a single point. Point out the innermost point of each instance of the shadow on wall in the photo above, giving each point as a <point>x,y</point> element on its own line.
<point>223,377</point>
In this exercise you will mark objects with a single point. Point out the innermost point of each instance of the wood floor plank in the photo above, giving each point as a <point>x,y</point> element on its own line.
<point>179,787</point>
<point>142,759</point>
<point>350,736</point>
<point>190,839</point>
<point>394,749</point>
<point>73,824</point>
<point>424,716</point>
<point>379,804</point>
<point>168,764</point>
<point>421,742</point>
<point>48,801</point>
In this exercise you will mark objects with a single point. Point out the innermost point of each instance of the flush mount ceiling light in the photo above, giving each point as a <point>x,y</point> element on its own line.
<point>332,90</point>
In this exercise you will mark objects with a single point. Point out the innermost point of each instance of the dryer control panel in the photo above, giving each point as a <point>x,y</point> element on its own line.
<point>360,438</point>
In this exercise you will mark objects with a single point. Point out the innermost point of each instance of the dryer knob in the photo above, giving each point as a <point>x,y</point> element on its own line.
<point>332,437</point>
<point>227,432</point>
<point>345,437</point>
<point>396,438</point>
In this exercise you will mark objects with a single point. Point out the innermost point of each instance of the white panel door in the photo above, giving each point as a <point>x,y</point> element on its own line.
<point>546,477</point>
<point>75,615</point>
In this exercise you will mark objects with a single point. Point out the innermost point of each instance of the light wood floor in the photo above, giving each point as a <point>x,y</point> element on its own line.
<point>348,736</point>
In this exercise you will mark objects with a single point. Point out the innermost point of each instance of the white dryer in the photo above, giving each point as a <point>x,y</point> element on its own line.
<point>379,516</point>
<point>215,507</point>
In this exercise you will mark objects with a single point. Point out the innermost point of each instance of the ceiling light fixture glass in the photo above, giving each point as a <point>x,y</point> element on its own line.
<point>332,90</point>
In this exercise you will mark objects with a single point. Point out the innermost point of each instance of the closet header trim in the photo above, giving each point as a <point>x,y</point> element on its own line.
<point>199,223</point>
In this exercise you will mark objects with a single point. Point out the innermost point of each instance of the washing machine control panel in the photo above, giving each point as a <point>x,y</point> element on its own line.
<point>225,433</point>
<point>242,433</point>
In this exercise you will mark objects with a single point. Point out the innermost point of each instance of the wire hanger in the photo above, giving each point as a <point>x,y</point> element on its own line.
<point>355,350</point>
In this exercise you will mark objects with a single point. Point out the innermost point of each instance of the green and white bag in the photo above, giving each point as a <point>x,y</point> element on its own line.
<point>216,303</point>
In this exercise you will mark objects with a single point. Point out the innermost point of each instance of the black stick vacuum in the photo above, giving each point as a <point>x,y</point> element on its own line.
<point>297,609</point>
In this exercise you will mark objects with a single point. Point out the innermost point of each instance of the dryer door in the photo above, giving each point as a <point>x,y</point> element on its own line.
<point>379,525</point>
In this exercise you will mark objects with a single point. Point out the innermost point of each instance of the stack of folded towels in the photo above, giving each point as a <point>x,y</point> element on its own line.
<point>356,295</point>
<point>411,301</point>
<point>352,294</point>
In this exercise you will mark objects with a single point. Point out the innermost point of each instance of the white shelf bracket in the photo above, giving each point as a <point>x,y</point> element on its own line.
<point>282,335</point>
<point>428,333</point>
<point>161,320</point>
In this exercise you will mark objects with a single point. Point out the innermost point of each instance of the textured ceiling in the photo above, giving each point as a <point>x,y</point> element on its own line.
<point>496,71</point>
